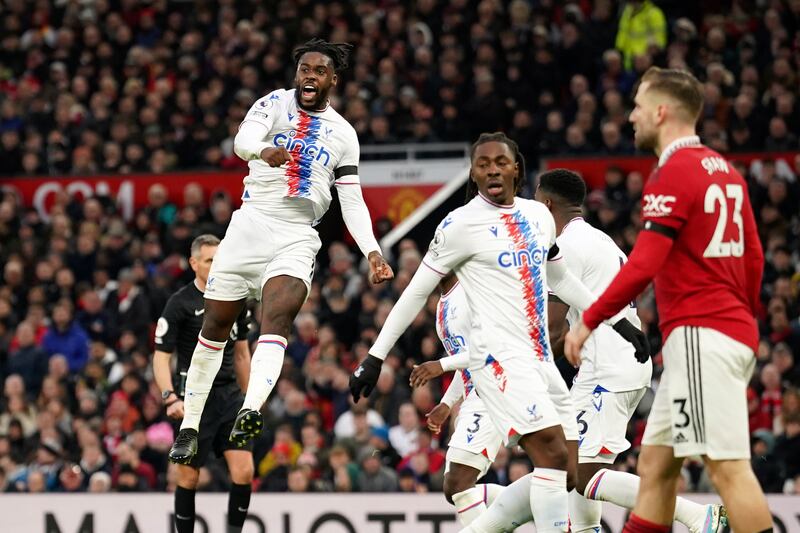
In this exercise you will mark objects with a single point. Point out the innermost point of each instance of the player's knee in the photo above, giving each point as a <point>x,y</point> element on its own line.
<point>657,468</point>
<point>546,451</point>
<point>242,473</point>
<point>277,322</point>
<point>187,477</point>
<point>454,483</point>
<point>216,327</point>
<point>726,473</point>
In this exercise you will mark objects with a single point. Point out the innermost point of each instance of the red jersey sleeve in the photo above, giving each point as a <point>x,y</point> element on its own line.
<point>667,199</point>
<point>648,255</point>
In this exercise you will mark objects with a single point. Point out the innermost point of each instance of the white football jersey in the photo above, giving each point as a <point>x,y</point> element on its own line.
<point>606,359</point>
<point>320,142</point>
<point>453,325</point>
<point>499,254</point>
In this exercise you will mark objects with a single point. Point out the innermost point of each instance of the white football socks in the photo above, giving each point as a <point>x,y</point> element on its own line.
<point>470,504</point>
<point>206,360</point>
<point>620,488</point>
<point>584,514</point>
<point>265,368</point>
<point>492,492</point>
<point>510,509</point>
<point>549,501</point>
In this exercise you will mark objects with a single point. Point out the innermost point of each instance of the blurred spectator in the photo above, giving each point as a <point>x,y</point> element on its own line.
<point>100,482</point>
<point>299,480</point>
<point>130,472</point>
<point>642,30</point>
<point>67,337</point>
<point>277,477</point>
<point>403,436</point>
<point>388,395</point>
<point>29,360</point>
<point>374,476</point>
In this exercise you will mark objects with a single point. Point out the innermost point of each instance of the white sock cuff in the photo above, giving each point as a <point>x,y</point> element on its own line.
<point>211,345</point>
<point>594,484</point>
<point>472,497</point>
<point>273,341</point>
<point>549,477</point>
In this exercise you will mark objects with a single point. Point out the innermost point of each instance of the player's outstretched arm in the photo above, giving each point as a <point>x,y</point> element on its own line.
<point>365,376</point>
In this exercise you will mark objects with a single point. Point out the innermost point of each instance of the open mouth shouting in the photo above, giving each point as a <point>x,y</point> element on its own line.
<point>309,92</point>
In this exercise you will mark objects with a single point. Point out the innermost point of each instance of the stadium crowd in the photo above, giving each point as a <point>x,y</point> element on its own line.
<point>130,86</point>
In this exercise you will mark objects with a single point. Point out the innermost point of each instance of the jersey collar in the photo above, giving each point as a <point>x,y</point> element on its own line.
<point>677,144</point>
<point>495,204</point>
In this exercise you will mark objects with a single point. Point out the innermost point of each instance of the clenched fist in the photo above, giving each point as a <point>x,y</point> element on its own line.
<point>379,269</point>
<point>277,156</point>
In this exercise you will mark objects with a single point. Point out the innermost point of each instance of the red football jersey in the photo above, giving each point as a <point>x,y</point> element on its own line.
<point>712,274</point>
<point>702,249</point>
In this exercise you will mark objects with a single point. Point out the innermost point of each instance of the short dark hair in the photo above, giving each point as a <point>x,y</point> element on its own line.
<point>565,184</point>
<point>678,84</point>
<point>338,52</point>
<point>500,137</point>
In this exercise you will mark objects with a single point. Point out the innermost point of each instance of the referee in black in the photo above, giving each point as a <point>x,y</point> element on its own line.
<point>177,330</point>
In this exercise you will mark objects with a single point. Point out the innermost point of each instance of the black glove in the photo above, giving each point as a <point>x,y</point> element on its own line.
<point>636,337</point>
<point>365,377</point>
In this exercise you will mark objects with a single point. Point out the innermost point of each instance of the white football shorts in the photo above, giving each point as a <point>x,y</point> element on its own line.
<point>256,248</point>
<point>602,418</point>
<point>475,440</point>
<point>700,407</point>
<point>524,396</point>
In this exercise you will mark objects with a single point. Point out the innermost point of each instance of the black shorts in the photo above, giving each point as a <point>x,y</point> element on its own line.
<point>222,405</point>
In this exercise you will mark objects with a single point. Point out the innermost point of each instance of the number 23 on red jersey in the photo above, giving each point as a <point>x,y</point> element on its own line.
<point>689,186</point>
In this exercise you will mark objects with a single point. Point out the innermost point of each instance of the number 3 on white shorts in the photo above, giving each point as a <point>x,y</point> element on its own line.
<point>715,198</point>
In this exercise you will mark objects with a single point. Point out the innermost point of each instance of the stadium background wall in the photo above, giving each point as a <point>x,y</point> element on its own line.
<point>391,190</point>
<point>329,513</point>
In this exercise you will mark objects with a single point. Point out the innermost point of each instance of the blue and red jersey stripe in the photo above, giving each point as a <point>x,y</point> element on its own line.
<point>298,171</point>
<point>534,294</point>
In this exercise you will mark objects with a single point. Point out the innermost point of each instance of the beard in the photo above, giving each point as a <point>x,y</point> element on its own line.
<point>645,141</point>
